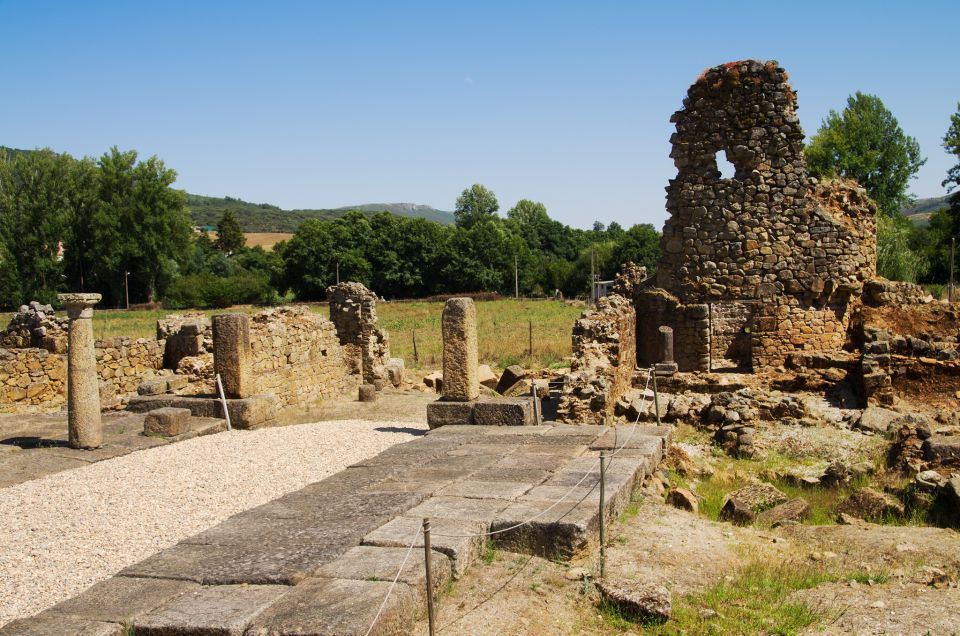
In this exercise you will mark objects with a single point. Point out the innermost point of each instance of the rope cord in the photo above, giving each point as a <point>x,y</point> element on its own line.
<point>416,535</point>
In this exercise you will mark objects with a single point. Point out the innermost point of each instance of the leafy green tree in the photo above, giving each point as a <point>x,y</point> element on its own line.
<point>865,142</point>
<point>230,238</point>
<point>640,244</point>
<point>951,143</point>
<point>35,213</point>
<point>896,259</point>
<point>475,204</point>
<point>140,226</point>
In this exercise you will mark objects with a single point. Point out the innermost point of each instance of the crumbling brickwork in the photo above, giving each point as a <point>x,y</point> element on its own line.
<point>296,355</point>
<point>768,249</point>
<point>353,309</point>
<point>604,357</point>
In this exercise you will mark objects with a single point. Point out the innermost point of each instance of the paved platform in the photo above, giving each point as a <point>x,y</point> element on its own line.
<point>34,446</point>
<point>321,560</point>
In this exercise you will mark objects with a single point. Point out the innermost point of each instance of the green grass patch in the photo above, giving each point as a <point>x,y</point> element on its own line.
<point>755,600</point>
<point>489,552</point>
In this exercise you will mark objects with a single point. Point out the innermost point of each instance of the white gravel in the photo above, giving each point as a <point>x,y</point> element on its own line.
<point>63,533</point>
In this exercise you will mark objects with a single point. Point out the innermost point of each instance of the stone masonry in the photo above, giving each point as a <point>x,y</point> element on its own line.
<point>353,309</point>
<point>768,262</point>
<point>461,381</point>
<point>83,393</point>
<point>231,354</point>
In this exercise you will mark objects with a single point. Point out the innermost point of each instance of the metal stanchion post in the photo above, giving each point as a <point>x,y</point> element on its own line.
<point>603,537</point>
<point>427,564</point>
<point>656,396</point>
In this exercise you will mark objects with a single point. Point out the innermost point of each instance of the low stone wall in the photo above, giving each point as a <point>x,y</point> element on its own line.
<point>34,379</point>
<point>788,327</point>
<point>691,329</point>
<point>297,356</point>
<point>604,358</point>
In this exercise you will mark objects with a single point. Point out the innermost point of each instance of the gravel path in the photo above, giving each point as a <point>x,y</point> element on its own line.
<point>63,533</point>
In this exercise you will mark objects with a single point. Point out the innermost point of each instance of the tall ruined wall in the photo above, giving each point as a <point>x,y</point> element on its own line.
<point>353,309</point>
<point>296,355</point>
<point>604,357</point>
<point>777,258</point>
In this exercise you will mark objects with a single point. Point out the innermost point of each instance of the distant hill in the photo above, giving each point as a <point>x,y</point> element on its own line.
<point>921,209</point>
<point>264,217</point>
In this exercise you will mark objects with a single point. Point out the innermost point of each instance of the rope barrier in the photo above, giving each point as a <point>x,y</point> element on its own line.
<point>416,535</point>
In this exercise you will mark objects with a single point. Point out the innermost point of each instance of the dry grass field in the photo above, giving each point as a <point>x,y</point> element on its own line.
<point>504,329</point>
<point>266,240</point>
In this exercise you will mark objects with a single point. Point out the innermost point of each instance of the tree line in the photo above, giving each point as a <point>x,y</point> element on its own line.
<point>115,224</point>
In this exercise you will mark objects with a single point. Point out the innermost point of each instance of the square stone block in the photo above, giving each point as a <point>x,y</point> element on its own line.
<point>122,599</point>
<point>462,541</point>
<point>167,422</point>
<point>441,413</point>
<point>225,610</point>
<point>504,412</point>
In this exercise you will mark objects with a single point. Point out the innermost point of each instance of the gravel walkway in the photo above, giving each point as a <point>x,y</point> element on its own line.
<point>63,533</point>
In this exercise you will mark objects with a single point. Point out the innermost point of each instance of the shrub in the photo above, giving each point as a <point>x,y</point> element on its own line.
<point>214,292</point>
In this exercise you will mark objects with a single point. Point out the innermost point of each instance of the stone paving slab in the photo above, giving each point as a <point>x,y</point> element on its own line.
<point>319,560</point>
<point>50,624</point>
<point>225,610</point>
<point>329,607</point>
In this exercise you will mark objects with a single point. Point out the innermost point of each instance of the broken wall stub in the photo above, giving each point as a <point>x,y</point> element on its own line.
<point>353,310</point>
<point>604,358</point>
<point>768,236</point>
<point>296,355</point>
<point>184,335</point>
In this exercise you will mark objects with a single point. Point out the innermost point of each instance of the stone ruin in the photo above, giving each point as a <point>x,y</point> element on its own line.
<point>761,269</point>
<point>37,326</point>
<point>353,309</point>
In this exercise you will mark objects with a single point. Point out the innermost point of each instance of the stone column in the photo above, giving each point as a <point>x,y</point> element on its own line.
<point>83,383</point>
<point>461,380</point>
<point>231,354</point>
<point>666,366</point>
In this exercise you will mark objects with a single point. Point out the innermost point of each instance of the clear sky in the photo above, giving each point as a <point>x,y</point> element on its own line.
<point>326,104</point>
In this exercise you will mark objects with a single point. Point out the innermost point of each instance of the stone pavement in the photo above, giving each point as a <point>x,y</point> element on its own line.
<point>321,560</point>
<point>34,446</point>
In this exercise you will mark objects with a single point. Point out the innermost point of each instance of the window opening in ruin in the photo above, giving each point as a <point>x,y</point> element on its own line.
<point>727,169</point>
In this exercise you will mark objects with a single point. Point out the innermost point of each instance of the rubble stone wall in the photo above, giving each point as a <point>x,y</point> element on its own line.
<point>33,379</point>
<point>769,233</point>
<point>296,355</point>
<point>604,358</point>
<point>353,310</point>
<point>691,329</point>
<point>731,333</point>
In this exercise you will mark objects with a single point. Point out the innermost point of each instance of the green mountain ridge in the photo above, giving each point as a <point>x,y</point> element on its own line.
<point>265,217</point>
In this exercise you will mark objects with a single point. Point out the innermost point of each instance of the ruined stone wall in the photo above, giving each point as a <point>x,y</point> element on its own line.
<point>604,358</point>
<point>768,233</point>
<point>691,329</point>
<point>296,355</point>
<point>33,379</point>
<point>731,334</point>
<point>353,309</point>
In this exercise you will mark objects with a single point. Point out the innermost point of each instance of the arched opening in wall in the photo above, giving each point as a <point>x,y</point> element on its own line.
<point>727,169</point>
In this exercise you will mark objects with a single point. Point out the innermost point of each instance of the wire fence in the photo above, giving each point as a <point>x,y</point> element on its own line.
<point>605,460</point>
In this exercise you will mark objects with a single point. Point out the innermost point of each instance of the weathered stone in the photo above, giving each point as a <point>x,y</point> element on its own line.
<point>743,505</point>
<point>511,375</point>
<point>122,599</point>
<point>231,354</point>
<point>368,393</point>
<point>942,449</point>
<point>460,381</point>
<point>339,606</point>
<point>248,413</point>
<point>167,422</point>
<point>376,563</point>
<point>52,624</point>
<point>152,387</point>
<point>504,412</point>
<point>871,505</point>
<point>83,392</point>
<point>227,610</point>
<point>793,510</point>
<point>460,540</point>
<point>487,377</point>
<point>637,600</point>
<point>449,413</point>
<point>876,420</point>
<point>683,499</point>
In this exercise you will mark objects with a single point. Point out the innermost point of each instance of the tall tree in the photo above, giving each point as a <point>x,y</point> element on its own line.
<point>475,204</point>
<point>865,142</point>
<point>35,213</point>
<point>140,225</point>
<point>230,238</point>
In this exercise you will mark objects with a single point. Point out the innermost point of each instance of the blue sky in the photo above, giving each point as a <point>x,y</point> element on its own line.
<point>323,104</point>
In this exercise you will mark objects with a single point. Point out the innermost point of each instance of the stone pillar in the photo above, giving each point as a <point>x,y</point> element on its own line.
<point>83,383</point>
<point>231,354</point>
<point>666,366</point>
<point>461,380</point>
